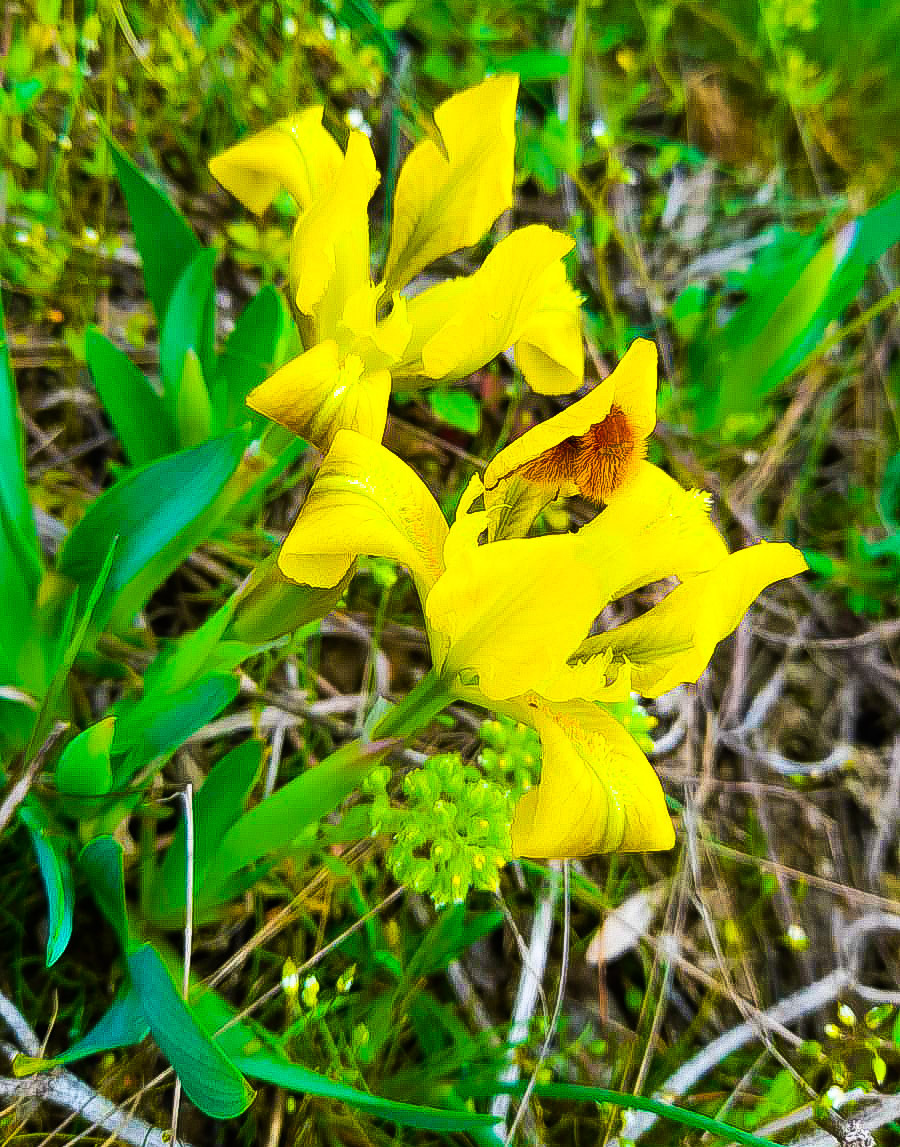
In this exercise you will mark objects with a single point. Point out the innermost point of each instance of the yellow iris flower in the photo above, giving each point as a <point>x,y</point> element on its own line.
<point>360,336</point>
<point>508,621</point>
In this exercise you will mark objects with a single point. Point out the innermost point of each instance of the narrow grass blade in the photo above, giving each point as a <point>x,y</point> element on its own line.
<point>14,502</point>
<point>582,1094</point>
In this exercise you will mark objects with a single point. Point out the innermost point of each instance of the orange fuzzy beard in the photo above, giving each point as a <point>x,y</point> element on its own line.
<point>599,462</point>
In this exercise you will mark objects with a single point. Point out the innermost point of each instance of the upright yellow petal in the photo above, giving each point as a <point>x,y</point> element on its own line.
<point>673,642</point>
<point>512,612</point>
<point>468,526</point>
<point>597,792</point>
<point>330,245</point>
<point>449,195</point>
<point>460,325</point>
<point>379,343</point>
<point>298,154</point>
<point>593,447</point>
<point>319,393</point>
<point>364,500</point>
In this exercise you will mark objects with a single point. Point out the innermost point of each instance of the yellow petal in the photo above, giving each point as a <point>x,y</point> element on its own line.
<point>379,344</point>
<point>597,792</point>
<point>364,500</point>
<point>461,325</point>
<point>652,529</point>
<point>468,526</point>
<point>549,353</point>
<point>511,612</point>
<point>597,676</point>
<point>297,154</point>
<point>594,446</point>
<point>319,393</point>
<point>330,245</point>
<point>673,642</point>
<point>448,196</point>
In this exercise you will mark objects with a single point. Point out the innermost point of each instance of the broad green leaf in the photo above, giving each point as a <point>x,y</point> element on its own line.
<point>137,412</point>
<point>281,817</point>
<point>155,726</point>
<point>788,312</point>
<point>72,638</point>
<point>250,355</point>
<point>218,804</point>
<point>164,238</point>
<point>102,864</point>
<point>457,408</point>
<point>189,325</point>
<point>21,640</point>
<point>56,874</point>
<point>254,1050</point>
<point>15,507</point>
<point>148,511</point>
<point>83,768</point>
<point>209,1078</point>
<point>122,1025</point>
<point>22,656</point>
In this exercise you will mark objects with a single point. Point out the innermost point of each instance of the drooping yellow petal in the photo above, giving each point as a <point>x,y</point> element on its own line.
<point>673,642</point>
<point>319,393</point>
<point>448,196</point>
<point>511,612</point>
<point>597,792</point>
<point>593,447</point>
<point>460,325</point>
<point>298,154</point>
<point>330,245</point>
<point>549,352</point>
<point>364,500</point>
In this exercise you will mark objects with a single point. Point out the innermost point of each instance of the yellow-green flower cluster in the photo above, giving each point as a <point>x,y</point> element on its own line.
<point>454,833</point>
<point>510,617</point>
